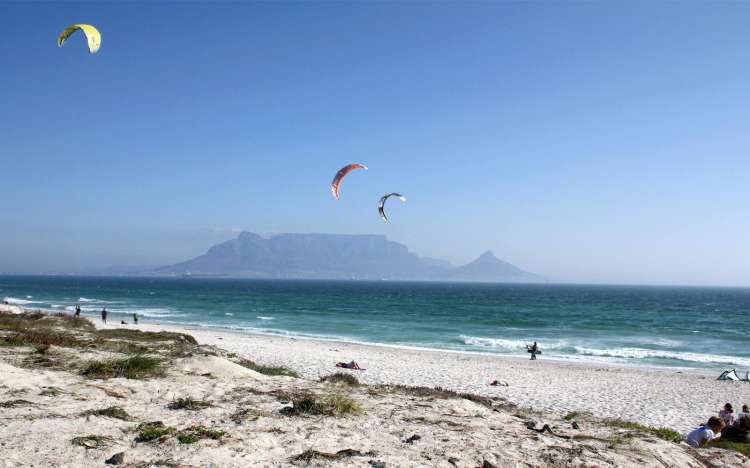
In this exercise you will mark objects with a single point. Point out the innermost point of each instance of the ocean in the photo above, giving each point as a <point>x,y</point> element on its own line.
<point>691,327</point>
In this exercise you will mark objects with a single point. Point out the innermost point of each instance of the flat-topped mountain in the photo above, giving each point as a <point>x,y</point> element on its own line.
<point>335,256</point>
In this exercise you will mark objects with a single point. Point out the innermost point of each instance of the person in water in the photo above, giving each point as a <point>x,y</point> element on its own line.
<point>706,433</point>
<point>135,318</point>
<point>533,349</point>
<point>104,314</point>
<point>727,414</point>
<point>78,311</point>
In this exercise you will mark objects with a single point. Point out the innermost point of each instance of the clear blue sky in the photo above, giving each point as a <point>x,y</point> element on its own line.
<point>593,141</point>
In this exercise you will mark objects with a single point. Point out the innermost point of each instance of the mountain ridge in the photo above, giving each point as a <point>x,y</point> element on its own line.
<point>336,256</point>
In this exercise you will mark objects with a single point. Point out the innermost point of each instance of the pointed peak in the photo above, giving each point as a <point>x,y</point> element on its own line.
<point>487,255</point>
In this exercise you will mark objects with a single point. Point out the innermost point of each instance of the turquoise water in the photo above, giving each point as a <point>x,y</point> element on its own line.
<point>651,326</point>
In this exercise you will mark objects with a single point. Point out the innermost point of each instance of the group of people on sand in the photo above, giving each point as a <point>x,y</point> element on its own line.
<point>727,426</point>
<point>77,314</point>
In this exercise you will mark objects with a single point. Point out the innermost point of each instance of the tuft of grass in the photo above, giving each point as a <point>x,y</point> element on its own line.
<point>740,447</point>
<point>311,454</point>
<point>12,341</point>
<point>152,431</point>
<point>134,367</point>
<point>267,370</point>
<point>91,441</point>
<point>572,415</point>
<point>195,433</point>
<point>146,336</point>
<point>660,432</point>
<point>437,393</point>
<point>14,403</point>
<point>189,403</point>
<point>331,405</point>
<point>341,378</point>
<point>111,412</point>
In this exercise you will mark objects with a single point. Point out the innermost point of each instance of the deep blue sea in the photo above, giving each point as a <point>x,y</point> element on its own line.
<point>705,328</point>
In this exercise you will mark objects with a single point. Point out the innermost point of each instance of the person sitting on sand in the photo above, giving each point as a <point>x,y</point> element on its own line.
<point>705,433</point>
<point>740,432</point>
<point>349,365</point>
<point>742,414</point>
<point>727,414</point>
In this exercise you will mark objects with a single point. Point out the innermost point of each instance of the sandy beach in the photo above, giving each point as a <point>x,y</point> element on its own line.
<point>71,395</point>
<point>675,398</point>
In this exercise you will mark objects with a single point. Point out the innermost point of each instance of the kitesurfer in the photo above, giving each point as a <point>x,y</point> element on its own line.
<point>534,350</point>
<point>78,310</point>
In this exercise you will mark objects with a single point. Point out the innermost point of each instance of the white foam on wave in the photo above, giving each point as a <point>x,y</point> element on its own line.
<point>17,301</point>
<point>229,314</point>
<point>639,353</point>
<point>86,299</point>
<point>264,317</point>
<point>510,345</point>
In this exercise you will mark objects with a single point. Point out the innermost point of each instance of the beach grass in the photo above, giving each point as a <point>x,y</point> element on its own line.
<point>740,447</point>
<point>330,405</point>
<point>660,432</point>
<point>152,431</point>
<point>341,378</point>
<point>91,441</point>
<point>14,403</point>
<point>195,433</point>
<point>188,403</point>
<point>267,370</point>
<point>134,367</point>
<point>115,412</point>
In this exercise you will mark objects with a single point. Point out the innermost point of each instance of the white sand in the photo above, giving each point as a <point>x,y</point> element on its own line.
<point>248,408</point>
<point>677,399</point>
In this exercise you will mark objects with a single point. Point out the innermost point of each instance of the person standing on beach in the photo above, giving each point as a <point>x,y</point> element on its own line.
<point>78,310</point>
<point>104,314</point>
<point>533,349</point>
<point>135,318</point>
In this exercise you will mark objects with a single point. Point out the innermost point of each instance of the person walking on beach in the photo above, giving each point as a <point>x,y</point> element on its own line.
<point>727,414</point>
<point>533,349</point>
<point>104,314</point>
<point>135,318</point>
<point>78,311</point>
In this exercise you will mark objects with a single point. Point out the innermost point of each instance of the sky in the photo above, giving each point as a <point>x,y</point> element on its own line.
<point>596,142</point>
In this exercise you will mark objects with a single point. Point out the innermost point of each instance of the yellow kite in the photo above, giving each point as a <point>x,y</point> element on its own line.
<point>92,36</point>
